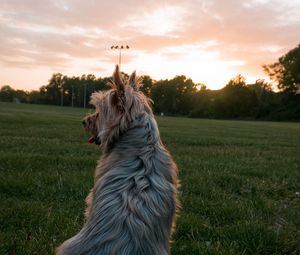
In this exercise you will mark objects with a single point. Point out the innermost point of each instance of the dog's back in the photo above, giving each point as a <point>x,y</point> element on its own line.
<point>132,206</point>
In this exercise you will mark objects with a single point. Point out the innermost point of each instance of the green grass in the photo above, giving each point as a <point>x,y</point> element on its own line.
<point>240,182</point>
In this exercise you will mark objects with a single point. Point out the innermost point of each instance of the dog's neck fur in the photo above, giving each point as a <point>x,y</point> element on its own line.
<point>139,142</point>
<point>145,131</point>
<point>135,113</point>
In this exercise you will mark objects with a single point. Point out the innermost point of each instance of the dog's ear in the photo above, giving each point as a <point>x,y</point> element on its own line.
<point>117,80</point>
<point>119,86</point>
<point>134,82</point>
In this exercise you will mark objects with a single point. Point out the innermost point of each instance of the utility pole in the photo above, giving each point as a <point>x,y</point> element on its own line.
<point>72,95</point>
<point>120,48</point>
<point>84,99</point>
<point>62,97</point>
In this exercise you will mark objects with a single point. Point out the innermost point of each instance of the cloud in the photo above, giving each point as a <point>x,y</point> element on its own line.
<point>164,21</point>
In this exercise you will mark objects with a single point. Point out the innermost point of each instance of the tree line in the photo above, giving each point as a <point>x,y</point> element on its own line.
<point>181,96</point>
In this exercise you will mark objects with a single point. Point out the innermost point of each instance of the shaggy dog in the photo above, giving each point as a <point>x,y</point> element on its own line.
<point>132,206</point>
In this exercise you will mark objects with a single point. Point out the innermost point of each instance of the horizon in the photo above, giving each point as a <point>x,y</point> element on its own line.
<point>208,41</point>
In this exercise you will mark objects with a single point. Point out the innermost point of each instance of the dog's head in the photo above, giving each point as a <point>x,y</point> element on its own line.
<point>115,109</point>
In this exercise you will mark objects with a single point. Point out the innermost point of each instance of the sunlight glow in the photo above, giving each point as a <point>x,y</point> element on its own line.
<point>190,60</point>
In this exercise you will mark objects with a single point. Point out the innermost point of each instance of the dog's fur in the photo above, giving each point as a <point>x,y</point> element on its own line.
<point>132,207</point>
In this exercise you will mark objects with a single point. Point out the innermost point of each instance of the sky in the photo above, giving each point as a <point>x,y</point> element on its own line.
<point>209,41</point>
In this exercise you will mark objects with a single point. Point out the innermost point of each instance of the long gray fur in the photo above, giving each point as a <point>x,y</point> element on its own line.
<point>133,204</point>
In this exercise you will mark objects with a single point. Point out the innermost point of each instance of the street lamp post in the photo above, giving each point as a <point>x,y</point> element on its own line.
<point>62,96</point>
<point>84,99</point>
<point>72,95</point>
<point>120,47</point>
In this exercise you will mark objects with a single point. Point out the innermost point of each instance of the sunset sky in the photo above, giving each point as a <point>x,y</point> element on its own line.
<point>209,41</point>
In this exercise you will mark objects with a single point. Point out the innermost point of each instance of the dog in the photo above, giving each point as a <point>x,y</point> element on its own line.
<point>133,205</point>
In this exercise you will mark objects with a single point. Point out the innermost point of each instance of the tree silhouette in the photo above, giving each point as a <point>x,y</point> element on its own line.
<point>232,102</point>
<point>181,96</point>
<point>147,85</point>
<point>174,96</point>
<point>52,92</point>
<point>6,93</point>
<point>286,71</point>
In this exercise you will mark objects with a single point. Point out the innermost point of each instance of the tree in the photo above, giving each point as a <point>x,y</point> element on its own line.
<point>147,84</point>
<point>7,93</point>
<point>21,96</point>
<point>286,72</point>
<point>34,97</point>
<point>203,99</point>
<point>174,96</point>
<point>53,91</point>
<point>263,98</point>
<point>234,101</point>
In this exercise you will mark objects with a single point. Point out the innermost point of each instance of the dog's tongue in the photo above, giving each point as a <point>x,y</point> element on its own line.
<point>91,139</point>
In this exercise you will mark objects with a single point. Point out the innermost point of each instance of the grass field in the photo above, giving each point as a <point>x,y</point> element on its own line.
<point>240,182</point>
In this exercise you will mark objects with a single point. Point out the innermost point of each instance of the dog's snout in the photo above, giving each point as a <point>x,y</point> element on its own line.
<point>84,123</point>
